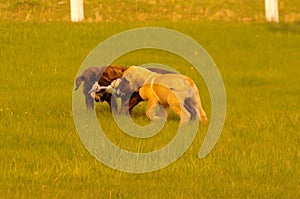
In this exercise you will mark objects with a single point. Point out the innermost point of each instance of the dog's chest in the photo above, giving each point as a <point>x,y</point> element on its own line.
<point>154,92</point>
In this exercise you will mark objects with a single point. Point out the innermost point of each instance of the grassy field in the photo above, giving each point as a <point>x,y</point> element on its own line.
<point>147,10</point>
<point>42,156</point>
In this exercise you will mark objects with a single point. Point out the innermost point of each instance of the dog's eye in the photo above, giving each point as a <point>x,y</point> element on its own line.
<point>123,80</point>
<point>127,82</point>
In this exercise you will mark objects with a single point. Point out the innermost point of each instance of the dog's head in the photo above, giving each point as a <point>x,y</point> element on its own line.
<point>99,93</point>
<point>134,78</point>
<point>124,87</point>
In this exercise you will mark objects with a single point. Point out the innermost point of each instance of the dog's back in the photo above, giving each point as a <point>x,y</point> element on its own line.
<point>110,74</point>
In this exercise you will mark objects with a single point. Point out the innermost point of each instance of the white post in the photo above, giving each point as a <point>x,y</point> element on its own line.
<point>76,10</point>
<point>272,10</point>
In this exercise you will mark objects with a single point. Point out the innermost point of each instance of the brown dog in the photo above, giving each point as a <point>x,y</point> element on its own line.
<point>105,75</point>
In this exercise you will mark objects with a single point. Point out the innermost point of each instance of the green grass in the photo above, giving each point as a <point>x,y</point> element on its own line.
<point>147,10</point>
<point>257,154</point>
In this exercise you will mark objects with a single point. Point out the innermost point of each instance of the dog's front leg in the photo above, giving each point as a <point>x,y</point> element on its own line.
<point>151,109</point>
<point>125,100</point>
<point>113,103</point>
<point>89,102</point>
<point>162,112</point>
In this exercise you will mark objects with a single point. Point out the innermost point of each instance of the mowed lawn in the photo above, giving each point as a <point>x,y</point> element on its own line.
<point>257,155</point>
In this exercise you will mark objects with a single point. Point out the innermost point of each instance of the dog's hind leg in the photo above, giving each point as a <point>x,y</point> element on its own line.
<point>191,107</point>
<point>185,115</point>
<point>201,113</point>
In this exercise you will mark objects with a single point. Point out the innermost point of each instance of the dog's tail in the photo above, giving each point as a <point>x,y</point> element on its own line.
<point>79,79</point>
<point>202,115</point>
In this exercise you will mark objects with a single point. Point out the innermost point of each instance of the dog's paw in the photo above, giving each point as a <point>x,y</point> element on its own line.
<point>203,118</point>
<point>93,94</point>
<point>157,118</point>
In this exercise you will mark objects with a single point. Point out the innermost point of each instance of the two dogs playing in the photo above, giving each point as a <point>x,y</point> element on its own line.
<point>160,88</point>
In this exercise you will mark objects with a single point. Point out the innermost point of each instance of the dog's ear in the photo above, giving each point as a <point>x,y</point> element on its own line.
<point>132,75</point>
<point>123,69</point>
<point>79,79</point>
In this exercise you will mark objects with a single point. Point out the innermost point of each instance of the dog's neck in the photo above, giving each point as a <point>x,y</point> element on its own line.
<point>148,78</point>
<point>140,76</point>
